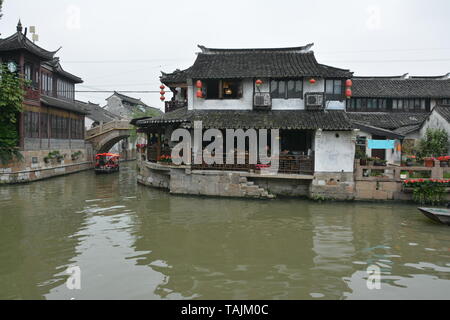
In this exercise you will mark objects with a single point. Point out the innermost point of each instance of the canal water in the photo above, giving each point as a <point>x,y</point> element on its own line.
<point>133,242</point>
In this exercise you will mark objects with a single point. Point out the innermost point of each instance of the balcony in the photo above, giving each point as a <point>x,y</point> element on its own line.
<point>287,164</point>
<point>175,105</point>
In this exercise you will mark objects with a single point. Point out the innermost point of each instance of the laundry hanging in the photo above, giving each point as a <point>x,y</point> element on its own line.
<point>381,144</point>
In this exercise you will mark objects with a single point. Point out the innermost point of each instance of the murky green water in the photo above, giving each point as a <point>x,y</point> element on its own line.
<point>133,242</point>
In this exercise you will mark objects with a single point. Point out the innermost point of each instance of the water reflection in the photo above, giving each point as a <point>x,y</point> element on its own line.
<point>133,242</point>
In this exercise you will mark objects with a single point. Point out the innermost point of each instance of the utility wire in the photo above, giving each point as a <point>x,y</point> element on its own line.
<point>112,91</point>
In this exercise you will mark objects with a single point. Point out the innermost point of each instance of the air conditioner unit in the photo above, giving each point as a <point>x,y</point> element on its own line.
<point>262,100</point>
<point>314,100</point>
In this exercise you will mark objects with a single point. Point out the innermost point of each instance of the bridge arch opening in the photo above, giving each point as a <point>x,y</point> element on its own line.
<point>104,137</point>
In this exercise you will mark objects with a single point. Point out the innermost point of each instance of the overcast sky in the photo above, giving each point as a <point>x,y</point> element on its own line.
<point>123,45</point>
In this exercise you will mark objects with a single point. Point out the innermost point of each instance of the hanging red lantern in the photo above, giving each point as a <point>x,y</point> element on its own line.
<point>199,94</point>
<point>163,92</point>
<point>348,93</point>
<point>349,83</point>
<point>199,84</point>
<point>162,87</point>
<point>162,98</point>
<point>312,81</point>
<point>259,82</point>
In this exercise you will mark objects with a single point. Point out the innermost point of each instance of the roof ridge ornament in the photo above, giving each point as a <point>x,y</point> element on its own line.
<point>204,49</point>
<point>307,48</point>
<point>19,27</point>
<point>405,76</point>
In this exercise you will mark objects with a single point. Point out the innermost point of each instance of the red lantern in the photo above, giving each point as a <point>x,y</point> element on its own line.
<point>312,81</point>
<point>349,83</point>
<point>199,84</point>
<point>259,82</point>
<point>162,87</point>
<point>199,94</point>
<point>348,93</point>
<point>163,92</point>
<point>162,98</point>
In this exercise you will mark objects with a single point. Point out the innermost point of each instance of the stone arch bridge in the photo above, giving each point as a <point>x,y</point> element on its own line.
<point>105,136</point>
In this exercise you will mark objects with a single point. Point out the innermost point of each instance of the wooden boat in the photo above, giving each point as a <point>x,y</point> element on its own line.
<point>107,163</point>
<point>438,215</point>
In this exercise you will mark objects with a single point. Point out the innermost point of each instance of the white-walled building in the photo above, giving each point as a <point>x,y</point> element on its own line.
<point>96,114</point>
<point>281,88</point>
<point>126,107</point>
<point>396,108</point>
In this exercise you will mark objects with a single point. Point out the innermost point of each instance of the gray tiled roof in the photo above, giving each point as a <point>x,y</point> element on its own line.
<point>431,87</point>
<point>178,76</point>
<point>64,104</point>
<point>18,41</point>
<point>388,120</point>
<point>252,63</point>
<point>243,119</point>
<point>97,113</point>
<point>378,131</point>
<point>408,129</point>
<point>444,111</point>
<point>55,65</point>
<point>135,102</point>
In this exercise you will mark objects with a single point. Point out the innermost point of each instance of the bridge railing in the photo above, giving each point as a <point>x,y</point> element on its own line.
<point>106,127</point>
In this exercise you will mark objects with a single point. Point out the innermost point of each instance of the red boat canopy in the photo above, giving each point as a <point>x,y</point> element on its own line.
<point>108,155</point>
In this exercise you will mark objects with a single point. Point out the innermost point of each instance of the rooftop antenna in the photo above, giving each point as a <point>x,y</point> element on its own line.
<point>34,35</point>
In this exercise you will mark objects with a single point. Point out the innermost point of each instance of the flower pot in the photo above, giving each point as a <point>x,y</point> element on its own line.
<point>370,163</point>
<point>444,164</point>
<point>403,176</point>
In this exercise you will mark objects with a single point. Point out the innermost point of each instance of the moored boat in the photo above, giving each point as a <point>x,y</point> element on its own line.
<point>107,163</point>
<point>437,215</point>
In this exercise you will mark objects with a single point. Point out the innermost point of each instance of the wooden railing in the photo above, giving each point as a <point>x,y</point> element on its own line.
<point>110,126</point>
<point>296,165</point>
<point>175,105</point>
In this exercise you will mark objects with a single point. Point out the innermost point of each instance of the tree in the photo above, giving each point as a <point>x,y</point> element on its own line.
<point>11,98</point>
<point>434,144</point>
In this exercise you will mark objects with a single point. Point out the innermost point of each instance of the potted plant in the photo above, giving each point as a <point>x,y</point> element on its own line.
<point>410,161</point>
<point>370,162</point>
<point>362,156</point>
<point>75,156</point>
<point>380,163</point>
<point>165,160</point>
<point>404,175</point>
<point>429,162</point>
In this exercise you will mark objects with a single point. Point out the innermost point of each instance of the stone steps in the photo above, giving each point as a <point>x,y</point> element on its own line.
<point>251,190</point>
